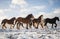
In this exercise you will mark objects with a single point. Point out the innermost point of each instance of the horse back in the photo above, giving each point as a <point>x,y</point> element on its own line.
<point>36,20</point>
<point>49,20</point>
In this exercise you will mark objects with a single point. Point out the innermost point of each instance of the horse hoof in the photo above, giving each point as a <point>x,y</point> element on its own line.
<point>18,29</point>
<point>26,28</point>
<point>36,27</point>
<point>55,26</point>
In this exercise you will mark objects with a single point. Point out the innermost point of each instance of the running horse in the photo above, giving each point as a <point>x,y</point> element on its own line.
<point>38,21</point>
<point>51,21</point>
<point>11,22</point>
<point>27,20</point>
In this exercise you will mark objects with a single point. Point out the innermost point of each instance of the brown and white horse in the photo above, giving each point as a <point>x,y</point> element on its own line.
<point>11,22</point>
<point>26,20</point>
<point>38,21</point>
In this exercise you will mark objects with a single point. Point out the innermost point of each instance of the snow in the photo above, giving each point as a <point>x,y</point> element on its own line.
<point>28,35</point>
<point>32,33</point>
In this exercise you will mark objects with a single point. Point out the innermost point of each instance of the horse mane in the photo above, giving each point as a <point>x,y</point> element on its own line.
<point>28,16</point>
<point>55,17</point>
<point>12,18</point>
<point>40,16</point>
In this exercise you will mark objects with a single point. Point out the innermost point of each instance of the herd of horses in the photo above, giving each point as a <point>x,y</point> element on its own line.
<point>29,21</point>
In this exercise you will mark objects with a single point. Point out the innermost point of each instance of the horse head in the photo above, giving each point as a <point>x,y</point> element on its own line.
<point>13,19</point>
<point>40,17</point>
<point>30,16</point>
<point>57,18</point>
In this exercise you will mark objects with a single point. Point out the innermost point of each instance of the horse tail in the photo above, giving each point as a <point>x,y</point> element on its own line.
<point>2,22</point>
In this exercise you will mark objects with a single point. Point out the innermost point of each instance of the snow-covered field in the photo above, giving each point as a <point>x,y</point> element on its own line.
<point>32,33</point>
<point>28,35</point>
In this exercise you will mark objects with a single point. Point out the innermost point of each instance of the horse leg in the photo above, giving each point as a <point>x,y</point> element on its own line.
<point>42,25</point>
<point>46,25</point>
<point>55,25</point>
<point>52,25</point>
<point>34,24</point>
<point>30,24</point>
<point>17,25</point>
<point>4,26</point>
<point>13,25</point>
<point>22,25</point>
<point>37,25</point>
<point>27,26</point>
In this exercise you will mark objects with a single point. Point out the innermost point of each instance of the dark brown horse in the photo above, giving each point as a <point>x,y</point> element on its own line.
<point>38,21</point>
<point>11,22</point>
<point>26,20</point>
<point>51,21</point>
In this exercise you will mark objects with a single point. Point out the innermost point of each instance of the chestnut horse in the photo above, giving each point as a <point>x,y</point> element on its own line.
<point>19,21</point>
<point>11,22</point>
<point>38,21</point>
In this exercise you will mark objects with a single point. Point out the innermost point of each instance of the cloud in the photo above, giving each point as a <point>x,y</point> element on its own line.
<point>19,2</point>
<point>57,10</point>
<point>22,3</point>
<point>25,11</point>
<point>46,15</point>
<point>2,15</point>
<point>1,11</point>
<point>52,14</point>
<point>32,9</point>
<point>24,7</point>
<point>39,7</point>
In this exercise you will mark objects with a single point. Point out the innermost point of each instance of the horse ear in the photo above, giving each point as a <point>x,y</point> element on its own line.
<point>14,17</point>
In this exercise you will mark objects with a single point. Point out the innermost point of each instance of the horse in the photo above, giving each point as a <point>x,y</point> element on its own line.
<point>26,20</point>
<point>11,22</point>
<point>38,21</point>
<point>51,21</point>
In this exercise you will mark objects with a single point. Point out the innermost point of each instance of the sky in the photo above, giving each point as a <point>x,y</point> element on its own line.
<point>21,8</point>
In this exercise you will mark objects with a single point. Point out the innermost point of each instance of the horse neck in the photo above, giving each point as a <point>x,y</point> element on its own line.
<point>12,19</point>
<point>54,19</point>
<point>27,17</point>
<point>39,18</point>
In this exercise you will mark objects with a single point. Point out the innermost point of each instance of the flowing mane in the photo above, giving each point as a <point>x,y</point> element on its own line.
<point>29,16</point>
<point>40,17</point>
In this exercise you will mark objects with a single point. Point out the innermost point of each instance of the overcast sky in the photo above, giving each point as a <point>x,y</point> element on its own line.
<point>16,8</point>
